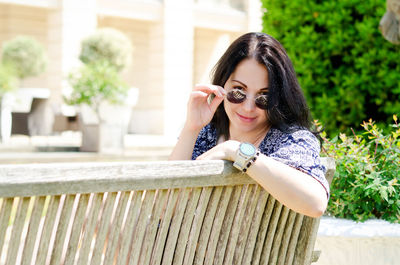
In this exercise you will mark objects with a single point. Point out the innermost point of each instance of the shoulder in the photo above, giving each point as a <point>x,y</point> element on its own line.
<point>206,140</point>
<point>295,136</point>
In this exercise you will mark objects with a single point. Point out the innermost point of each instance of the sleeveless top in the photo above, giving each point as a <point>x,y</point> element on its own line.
<point>299,149</point>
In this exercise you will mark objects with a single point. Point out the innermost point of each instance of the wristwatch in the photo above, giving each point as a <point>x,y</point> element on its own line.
<point>245,156</point>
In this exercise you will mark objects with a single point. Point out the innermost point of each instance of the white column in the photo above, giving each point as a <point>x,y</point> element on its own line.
<point>69,23</point>
<point>178,42</point>
<point>254,15</point>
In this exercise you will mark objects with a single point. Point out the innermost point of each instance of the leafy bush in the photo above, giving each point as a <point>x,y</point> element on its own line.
<point>366,183</point>
<point>26,55</point>
<point>96,83</point>
<point>348,71</point>
<point>8,80</point>
<point>107,44</point>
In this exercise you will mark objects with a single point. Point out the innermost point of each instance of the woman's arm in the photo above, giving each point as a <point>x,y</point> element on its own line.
<point>293,188</point>
<point>184,147</point>
<point>199,114</point>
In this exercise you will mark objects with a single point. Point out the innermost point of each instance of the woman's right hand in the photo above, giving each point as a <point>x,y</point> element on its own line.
<point>199,111</point>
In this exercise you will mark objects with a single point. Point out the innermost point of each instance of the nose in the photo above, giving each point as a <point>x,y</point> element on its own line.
<point>249,104</point>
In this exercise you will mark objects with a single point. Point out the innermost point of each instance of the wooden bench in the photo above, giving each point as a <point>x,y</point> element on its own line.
<point>178,212</point>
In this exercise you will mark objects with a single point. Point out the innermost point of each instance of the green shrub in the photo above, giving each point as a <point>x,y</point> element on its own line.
<point>348,71</point>
<point>26,55</point>
<point>366,183</point>
<point>8,80</point>
<point>96,83</point>
<point>107,45</point>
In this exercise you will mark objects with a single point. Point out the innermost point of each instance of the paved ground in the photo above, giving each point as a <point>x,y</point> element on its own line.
<point>65,148</point>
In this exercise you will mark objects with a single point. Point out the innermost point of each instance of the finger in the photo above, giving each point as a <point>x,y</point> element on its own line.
<point>217,90</point>
<point>215,103</point>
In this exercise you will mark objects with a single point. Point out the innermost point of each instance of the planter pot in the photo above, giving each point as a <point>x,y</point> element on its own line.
<point>344,242</point>
<point>108,135</point>
<point>103,138</point>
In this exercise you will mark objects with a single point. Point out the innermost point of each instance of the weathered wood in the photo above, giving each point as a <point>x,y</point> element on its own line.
<point>88,235</point>
<point>197,225</point>
<point>103,228</point>
<point>48,229</point>
<point>126,236</point>
<point>186,225</point>
<point>116,225</point>
<point>33,230</point>
<point>220,218</point>
<point>67,205</point>
<point>73,178</point>
<point>235,230</point>
<point>164,228</point>
<point>19,222</point>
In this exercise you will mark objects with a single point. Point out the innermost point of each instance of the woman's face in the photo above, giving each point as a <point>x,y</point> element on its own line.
<point>252,78</point>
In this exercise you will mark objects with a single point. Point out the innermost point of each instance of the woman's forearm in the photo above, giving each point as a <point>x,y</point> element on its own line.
<point>293,188</point>
<point>184,147</point>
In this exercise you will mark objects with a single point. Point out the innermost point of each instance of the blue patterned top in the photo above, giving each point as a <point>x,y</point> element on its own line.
<point>299,149</point>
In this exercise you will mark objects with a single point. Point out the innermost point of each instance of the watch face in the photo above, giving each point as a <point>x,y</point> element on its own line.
<point>247,149</point>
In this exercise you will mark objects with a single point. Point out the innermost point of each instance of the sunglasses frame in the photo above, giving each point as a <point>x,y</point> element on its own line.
<point>233,99</point>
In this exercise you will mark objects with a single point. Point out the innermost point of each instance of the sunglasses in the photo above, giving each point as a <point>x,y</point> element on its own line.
<point>237,96</point>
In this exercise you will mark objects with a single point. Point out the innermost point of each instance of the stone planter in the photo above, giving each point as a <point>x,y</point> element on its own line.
<point>345,242</point>
<point>108,135</point>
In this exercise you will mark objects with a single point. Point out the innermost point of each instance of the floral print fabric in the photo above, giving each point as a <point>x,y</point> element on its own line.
<point>299,149</point>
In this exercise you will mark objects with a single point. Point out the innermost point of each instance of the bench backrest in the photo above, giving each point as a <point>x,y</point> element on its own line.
<point>183,212</point>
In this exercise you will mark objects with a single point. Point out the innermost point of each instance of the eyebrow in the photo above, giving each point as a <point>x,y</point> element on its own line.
<point>243,84</point>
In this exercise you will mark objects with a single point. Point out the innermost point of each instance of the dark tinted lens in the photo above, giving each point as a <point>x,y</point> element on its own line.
<point>262,101</point>
<point>236,96</point>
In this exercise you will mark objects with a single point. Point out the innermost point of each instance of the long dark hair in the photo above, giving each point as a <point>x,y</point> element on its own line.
<point>286,102</point>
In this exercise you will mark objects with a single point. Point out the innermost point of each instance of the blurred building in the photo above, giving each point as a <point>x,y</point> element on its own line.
<point>176,43</point>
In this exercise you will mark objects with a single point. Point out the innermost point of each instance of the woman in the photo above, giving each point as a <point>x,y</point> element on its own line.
<point>255,115</point>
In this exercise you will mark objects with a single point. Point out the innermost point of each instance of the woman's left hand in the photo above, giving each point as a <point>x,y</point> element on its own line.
<point>223,151</point>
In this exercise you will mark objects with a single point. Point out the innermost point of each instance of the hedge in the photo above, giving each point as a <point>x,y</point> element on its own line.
<point>348,71</point>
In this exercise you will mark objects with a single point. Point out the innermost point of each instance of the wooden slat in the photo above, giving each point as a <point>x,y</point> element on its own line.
<point>188,218</point>
<point>293,239</point>
<point>255,227</point>
<point>140,229</point>
<point>273,223</point>
<point>31,236</point>
<point>158,250</point>
<point>76,229</point>
<point>116,227</point>
<point>175,226</point>
<point>130,223</point>
<point>68,202</point>
<point>47,229</point>
<point>273,259</point>
<point>90,228</point>
<point>286,238</point>
<point>232,241</point>
<point>306,240</point>
<point>207,225</point>
<point>245,226</point>
<point>153,226</point>
<point>4,219</point>
<point>196,225</point>
<point>18,225</point>
<point>262,233</point>
<point>103,228</point>
<point>226,225</point>
<point>217,225</point>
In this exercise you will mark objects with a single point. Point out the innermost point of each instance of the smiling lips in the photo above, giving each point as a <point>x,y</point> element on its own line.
<point>245,119</point>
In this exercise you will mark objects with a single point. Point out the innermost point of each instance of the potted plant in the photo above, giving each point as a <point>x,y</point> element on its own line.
<point>8,83</point>
<point>100,92</point>
<point>28,58</point>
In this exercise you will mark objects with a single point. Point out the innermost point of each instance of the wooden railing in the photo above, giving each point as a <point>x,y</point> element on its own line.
<point>183,212</point>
